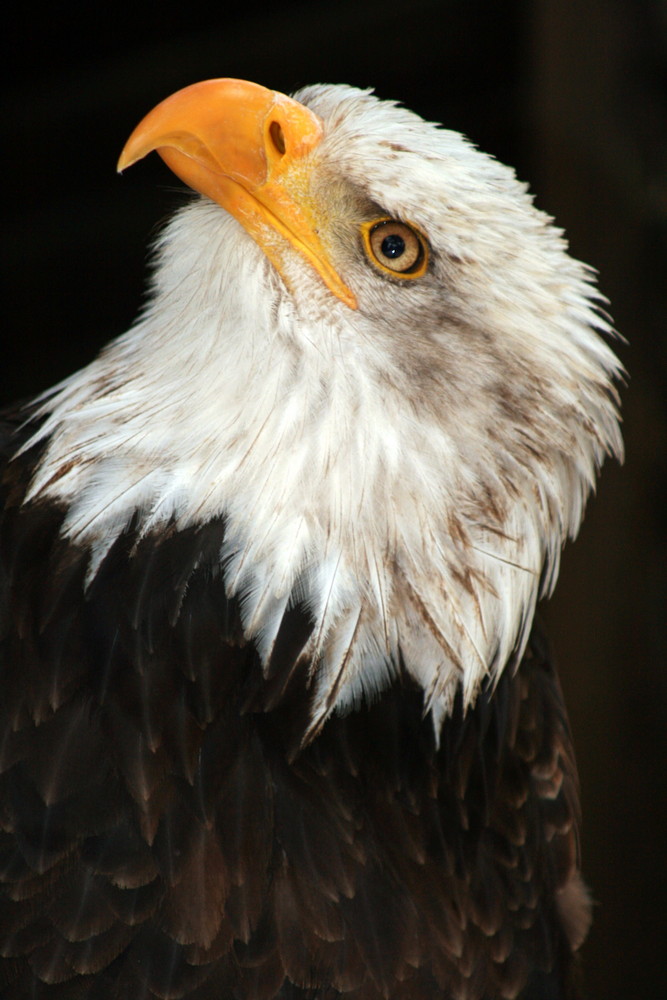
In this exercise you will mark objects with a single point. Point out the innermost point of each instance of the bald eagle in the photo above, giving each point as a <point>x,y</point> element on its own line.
<point>276,718</point>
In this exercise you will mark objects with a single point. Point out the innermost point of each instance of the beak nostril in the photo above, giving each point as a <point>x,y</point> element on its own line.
<point>277,137</point>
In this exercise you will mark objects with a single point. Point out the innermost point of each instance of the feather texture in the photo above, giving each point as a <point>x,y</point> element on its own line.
<point>162,838</point>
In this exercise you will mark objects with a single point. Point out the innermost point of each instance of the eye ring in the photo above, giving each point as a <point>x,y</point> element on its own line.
<point>397,248</point>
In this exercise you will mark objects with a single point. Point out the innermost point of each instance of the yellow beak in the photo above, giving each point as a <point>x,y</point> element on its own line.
<point>250,150</point>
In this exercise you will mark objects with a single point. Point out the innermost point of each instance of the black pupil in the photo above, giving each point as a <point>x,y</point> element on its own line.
<point>393,246</point>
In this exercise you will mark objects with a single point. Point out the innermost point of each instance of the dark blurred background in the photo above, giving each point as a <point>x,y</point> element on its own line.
<point>574,95</point>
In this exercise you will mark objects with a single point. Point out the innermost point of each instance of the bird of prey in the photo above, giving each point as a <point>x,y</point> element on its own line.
<point>277,721</point>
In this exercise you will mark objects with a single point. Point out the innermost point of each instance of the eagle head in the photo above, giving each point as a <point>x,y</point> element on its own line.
<point>371,355</point>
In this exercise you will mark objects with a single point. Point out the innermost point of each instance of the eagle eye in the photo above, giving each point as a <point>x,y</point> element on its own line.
<point>395,247</point>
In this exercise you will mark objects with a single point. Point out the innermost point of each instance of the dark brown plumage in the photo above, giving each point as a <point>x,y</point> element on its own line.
<point>162,835</point>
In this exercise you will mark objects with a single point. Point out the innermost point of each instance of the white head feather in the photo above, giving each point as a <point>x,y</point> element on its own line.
<point>410,469</point>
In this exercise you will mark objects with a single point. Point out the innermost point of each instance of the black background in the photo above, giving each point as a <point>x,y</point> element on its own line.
<point>575,97</point>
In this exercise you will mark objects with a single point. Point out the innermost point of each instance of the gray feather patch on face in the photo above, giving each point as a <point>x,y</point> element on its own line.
<point>409,470</point>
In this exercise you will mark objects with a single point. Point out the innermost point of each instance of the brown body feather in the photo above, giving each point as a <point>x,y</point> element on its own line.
<point>164,832</point>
